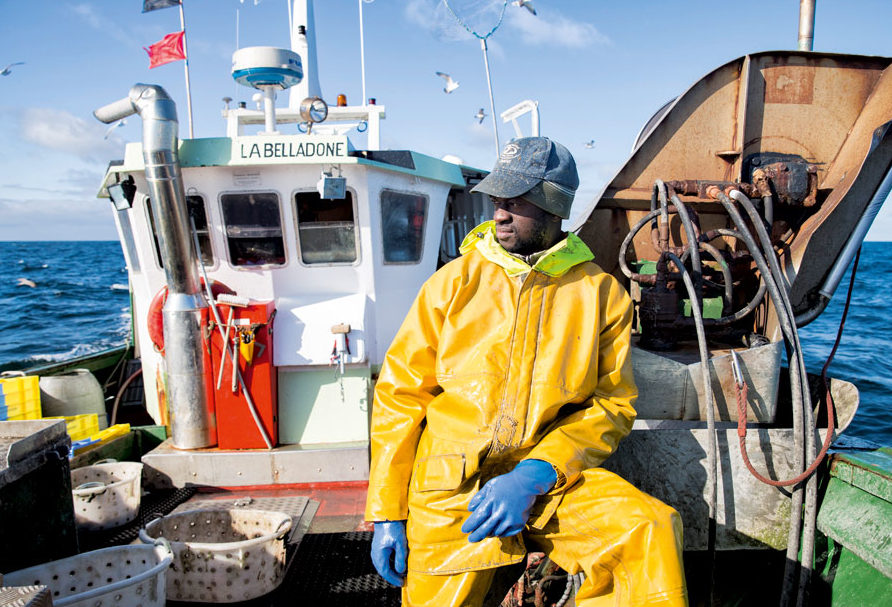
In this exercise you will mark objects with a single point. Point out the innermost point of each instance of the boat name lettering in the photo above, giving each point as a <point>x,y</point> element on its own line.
<point>293,150</point>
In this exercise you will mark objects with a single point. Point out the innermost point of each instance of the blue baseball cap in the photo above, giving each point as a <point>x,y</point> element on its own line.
<point>537,169</point>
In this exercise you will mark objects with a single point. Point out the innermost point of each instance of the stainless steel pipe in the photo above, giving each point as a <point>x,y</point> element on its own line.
<point>192,418</point>
<point>807,25</point>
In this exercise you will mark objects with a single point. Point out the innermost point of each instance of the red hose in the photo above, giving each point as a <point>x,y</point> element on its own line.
<point>831,426</point>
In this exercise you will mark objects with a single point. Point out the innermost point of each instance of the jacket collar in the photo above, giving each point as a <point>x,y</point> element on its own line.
<point>556,261</point>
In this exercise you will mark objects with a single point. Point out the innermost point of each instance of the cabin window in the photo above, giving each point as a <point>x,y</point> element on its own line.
<point>326,229</point>
<point>253,226</point>
<point>402,220</point>
<point>196,209</point>
<point>198,214</point>
<point>464,212</point>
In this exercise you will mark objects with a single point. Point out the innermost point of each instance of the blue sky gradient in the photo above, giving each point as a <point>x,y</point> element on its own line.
<point>598,69</point>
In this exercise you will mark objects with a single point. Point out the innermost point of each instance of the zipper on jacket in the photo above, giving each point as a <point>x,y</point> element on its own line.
<point>496,446</point>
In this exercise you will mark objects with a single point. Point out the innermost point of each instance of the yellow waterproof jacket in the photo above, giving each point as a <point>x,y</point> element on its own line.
<point>497,362</point>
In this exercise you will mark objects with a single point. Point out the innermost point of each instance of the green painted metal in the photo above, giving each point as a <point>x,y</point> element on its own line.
<point>319,406</point>
<point>870,471</point>
<point>209,151</point>
<point>217,151</point>
<point>845,580</point>
<point>712,307</point>
<point>859,521</point>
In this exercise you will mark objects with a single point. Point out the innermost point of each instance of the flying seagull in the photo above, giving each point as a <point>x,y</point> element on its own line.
<point>527,4</point>
<point>108,131</point>
<point>24,282</point>
<point>451,84</point>
<point>590,143</point>
<point>480,115</point>
<point>8,69</point>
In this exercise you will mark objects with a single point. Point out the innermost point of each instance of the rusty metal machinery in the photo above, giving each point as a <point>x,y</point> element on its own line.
<point>809,130</point>
<point>758,185</point>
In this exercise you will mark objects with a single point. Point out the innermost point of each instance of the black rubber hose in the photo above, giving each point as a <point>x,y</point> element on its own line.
<point>809,428</point>
<point>711,468</point>
<point>796,385</point>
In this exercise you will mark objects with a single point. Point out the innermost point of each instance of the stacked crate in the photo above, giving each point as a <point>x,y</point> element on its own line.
<point>19,398</point>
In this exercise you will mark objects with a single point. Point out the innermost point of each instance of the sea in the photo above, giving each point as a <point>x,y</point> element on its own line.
<point>66,299</point>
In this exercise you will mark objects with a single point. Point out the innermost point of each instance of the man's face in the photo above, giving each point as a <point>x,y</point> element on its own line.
<point>522,227</point>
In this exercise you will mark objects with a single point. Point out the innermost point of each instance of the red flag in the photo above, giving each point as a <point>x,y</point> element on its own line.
<point>170,48</point>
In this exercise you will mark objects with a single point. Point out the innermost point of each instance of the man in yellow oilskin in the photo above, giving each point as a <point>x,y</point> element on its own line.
<point>507,385</point>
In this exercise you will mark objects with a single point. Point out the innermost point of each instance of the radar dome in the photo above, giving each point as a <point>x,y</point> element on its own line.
<point>261,66</point>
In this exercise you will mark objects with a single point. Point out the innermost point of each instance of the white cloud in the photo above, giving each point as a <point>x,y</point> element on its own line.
<point>98,21</point>
<point>548,28</point>
<point>62,131</point>
<point>551,28</point>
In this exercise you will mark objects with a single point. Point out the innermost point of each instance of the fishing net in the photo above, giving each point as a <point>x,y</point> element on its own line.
<point>458,19</point>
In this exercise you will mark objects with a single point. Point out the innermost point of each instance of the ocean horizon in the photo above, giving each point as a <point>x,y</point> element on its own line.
<point>80,305</point>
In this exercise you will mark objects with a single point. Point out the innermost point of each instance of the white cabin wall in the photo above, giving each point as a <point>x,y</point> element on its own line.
<point>385,291</point>
<point>398,284</point>
<point>144,285</point>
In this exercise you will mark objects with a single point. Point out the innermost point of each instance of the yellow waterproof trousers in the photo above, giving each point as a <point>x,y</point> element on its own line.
<point>628,544</point>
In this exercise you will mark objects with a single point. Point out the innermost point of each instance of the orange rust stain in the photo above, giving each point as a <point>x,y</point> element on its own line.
<point>789,84</point>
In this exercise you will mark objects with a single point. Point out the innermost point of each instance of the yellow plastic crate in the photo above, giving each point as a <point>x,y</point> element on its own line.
<point>111,432</point>
<point>20,398</point>
<point>100,438</point>
<point>80,426</point>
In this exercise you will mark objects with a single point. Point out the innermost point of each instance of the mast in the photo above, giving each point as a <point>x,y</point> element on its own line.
<point>303,42</point>
<point>807,25</point>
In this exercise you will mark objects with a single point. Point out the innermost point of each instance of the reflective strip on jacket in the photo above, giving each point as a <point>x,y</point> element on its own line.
<point>496,363</point>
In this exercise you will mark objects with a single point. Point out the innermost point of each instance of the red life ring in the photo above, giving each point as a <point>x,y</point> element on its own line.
<point>155,319</point>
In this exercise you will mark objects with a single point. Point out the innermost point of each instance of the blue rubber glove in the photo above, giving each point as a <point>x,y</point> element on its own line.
<point>502,507</point>
<point>390,551</point>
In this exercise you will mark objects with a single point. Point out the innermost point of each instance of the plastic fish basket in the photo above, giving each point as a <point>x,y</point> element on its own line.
<point>106,495</point>
<point>20,398</point>
<point>222,556</point>
<point>122,576</point>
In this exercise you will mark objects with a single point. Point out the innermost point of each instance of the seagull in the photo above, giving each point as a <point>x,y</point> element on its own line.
<point>108,131</point>
<point>8,69</point>
<point>480,115</point>
<point>451,84</point>
<point>24,282</point>
<point>527,4</point>
<point>590,143</point>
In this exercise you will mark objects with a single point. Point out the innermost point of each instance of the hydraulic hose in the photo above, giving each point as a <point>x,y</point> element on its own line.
<point>757,298</point>
<point>726,273</point>
<point>709,322</point>
<point>662,228</point>
<point>801,401</point>
<point>809,428</point>
<point>693,244</point>
<point>120,394</point>
<point>712,481</point>
<point>695,294</point>
<point>624,246</point>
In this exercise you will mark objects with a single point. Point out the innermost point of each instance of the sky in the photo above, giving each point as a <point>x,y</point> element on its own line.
<point>598,69</point>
